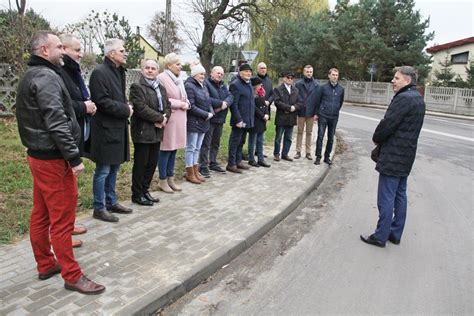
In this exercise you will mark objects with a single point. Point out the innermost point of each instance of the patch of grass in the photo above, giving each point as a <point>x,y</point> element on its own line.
<point>16,185</point>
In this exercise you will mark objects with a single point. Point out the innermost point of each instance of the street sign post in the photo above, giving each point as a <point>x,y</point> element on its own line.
<point>249,55</point>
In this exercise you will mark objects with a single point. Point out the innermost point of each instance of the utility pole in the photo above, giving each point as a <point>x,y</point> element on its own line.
<point>167,48</point>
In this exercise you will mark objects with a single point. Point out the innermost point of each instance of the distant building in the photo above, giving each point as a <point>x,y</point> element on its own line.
<point>459,53</point>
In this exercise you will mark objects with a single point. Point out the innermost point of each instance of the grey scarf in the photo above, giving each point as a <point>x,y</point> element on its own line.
<point>156,85</point>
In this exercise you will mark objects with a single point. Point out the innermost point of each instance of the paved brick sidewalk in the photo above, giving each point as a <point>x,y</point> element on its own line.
<point>159,253</point>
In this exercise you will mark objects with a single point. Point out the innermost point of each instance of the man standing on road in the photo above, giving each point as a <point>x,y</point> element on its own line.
<point>109,139</point>
<point>49,130</point>
<point>266,82</point>
<point>325,107</point>
<point>221,99</point>
<point>84,108</point>
<point>306,87</point>
<point>397,135</point>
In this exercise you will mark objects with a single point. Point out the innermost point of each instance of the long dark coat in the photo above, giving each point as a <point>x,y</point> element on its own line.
<point>283,102</point>
<point>146,112</point>
<point>243,105</point>
<point>70,72</point>
<point>398,132</point>
<point>109,126</point>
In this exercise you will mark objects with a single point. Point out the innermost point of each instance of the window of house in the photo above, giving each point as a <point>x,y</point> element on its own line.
<point>460,58</point>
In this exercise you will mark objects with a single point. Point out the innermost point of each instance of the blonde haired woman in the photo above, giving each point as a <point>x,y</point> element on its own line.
<point>174,136</point>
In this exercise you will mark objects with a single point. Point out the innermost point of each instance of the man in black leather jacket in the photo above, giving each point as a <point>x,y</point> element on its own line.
<point>48,128</point>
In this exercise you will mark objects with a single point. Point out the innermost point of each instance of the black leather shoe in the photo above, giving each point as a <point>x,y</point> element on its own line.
<point>372,241</point>
<point>328,161</point>
<point>142,201</point>
<point>287,158</point>
<point>253,163</point>
<point>217,168</point>
<point>317,161</point>
<point>120,209</point>
<point>264,164</point>
<point>105,216</point>
<point>393,240</point>
<point>148,196</point>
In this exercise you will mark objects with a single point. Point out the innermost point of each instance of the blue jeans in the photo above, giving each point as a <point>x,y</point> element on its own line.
<point>256,139</point>
<point>236,142</point>
<point>103,186</point>
<point>288,130</point>
<point>322,124</point>
<point>193,146</point>
<point>392,204</point>
<point>166,161</point>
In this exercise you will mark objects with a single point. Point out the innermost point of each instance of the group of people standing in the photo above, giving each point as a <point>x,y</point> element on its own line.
<point>60,121</point>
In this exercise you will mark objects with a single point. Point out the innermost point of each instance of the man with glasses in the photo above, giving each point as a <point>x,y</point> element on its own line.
<point>109,138</point>
<point>325,107</point>
<point>266,82</point>
<point>287,103</point>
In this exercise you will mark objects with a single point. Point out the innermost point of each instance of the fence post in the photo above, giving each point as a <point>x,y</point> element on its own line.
<point>456,91</point>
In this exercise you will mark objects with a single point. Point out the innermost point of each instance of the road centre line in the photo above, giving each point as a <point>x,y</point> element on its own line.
<point>423,129</point>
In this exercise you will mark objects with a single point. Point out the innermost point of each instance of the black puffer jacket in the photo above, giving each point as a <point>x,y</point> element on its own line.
<point>146,112</point>
<point>46,119</point>
<point>398,132</point>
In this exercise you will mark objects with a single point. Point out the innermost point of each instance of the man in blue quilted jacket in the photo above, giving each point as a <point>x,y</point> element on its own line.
<point>325,107</point>
<point>397,135</point>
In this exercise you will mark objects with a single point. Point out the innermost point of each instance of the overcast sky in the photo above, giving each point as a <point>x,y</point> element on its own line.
<point>450,19</point>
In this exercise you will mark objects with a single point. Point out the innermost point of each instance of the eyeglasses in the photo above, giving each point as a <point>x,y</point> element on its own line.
<point>289,77</point>
<point>122,51</point>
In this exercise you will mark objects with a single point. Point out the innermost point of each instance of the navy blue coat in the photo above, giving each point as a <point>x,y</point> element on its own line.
<point>200,107</point>
<point>243,105</point>
<point>307,88</point>
<point>398,132</point>
<point>218,92</point>
<point>327,101</point>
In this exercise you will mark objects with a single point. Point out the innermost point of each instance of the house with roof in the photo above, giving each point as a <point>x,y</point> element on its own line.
<point>459,53</point>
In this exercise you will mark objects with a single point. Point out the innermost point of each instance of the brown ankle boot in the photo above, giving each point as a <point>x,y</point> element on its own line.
<point>190,176</point>
<point>198,175</point>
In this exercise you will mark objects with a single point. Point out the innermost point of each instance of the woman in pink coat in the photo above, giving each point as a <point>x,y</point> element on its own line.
<point>174,136</point>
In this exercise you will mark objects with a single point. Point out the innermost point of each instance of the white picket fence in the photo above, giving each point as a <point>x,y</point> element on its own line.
<point>438,99</point>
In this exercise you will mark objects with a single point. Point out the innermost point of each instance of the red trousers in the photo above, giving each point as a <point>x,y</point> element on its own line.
<point>53,216</point>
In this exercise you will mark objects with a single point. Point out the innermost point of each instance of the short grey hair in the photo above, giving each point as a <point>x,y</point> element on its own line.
<point>112,44</point>
<point>261,64</point>
<point>408,71</point>
<point>171,59</point>
<point>142,64</point>
<point>67,39</point>
<point>38,39</point>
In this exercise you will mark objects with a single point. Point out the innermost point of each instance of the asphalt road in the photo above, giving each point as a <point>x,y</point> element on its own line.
<point>314,263</point>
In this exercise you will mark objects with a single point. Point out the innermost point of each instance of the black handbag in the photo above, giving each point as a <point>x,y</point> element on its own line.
<point>374,155</point>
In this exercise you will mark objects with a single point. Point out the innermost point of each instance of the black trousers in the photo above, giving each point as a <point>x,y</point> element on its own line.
<point>145,159</point>
<point>210,145</point>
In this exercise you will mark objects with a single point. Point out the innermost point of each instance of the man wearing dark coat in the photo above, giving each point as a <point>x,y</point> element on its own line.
<point>325,107</point>
<point>287,103</point>
<point>307,87</point>
<point>152,109</point>
<point>109,129</point>
<point>221,100</point>
<point>397,135</point>
<point>84,108</point>
<point>242,117</point>
<point>262,73</point>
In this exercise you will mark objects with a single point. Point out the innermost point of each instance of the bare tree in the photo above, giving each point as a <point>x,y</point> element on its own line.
<point>21,6</point>
<point>156,30</point>
<point>232,16</point>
